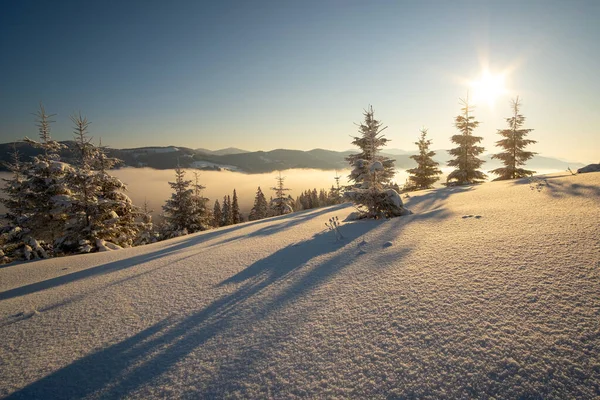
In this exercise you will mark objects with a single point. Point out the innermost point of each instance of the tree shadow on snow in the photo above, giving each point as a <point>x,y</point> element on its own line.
<point>143,361</point>
<point>419,202</point>
<point>180,243</point>
<point>123,367</point>
<point>558,188</point>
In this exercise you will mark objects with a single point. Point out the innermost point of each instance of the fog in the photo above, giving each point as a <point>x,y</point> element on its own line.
<point>152,185</point>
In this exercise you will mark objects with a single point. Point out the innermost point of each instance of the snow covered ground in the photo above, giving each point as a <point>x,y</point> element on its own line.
<point>486,291</point>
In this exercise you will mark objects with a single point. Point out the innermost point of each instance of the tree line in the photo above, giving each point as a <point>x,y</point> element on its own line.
<point>58,208</point>
<point>376,195</point>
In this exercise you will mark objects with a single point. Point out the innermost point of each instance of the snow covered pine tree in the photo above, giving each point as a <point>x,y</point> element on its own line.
<point>281,204</point>
<point>260,209</point>
<point>427,172</point>
<point>372,173</point>
<point>467,151</point>
<point>514,142</point>
<point>185,211</point>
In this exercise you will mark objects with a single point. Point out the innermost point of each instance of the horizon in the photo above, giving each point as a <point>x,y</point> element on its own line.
<point>298,76</point>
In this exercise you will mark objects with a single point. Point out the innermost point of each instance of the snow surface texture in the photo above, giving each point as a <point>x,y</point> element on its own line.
<point>430,305</point>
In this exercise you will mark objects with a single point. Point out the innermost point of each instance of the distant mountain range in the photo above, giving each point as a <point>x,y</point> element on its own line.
<point>256,161</point>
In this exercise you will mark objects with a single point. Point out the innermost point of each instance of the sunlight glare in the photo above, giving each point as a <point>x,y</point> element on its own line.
<point>488,88</point>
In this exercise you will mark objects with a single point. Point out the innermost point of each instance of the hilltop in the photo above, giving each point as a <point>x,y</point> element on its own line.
<point>234,159</point>
<point>485,291</point>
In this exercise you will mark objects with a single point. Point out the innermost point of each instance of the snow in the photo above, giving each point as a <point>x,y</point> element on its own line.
<point>208,164</point>
<point>505,305</point>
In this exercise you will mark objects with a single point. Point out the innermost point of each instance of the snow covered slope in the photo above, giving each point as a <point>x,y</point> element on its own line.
<point>491,290</point>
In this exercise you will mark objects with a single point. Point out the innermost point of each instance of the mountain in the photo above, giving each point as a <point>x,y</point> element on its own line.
<point>222,152</point>
<point>257,161</point>
<point>486,291</point>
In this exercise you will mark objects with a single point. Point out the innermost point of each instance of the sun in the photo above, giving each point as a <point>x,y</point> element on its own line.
<point>488,88</point>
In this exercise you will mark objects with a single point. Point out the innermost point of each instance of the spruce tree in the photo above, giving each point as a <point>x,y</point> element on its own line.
<point>102,216</point>
<point>372,173</point>
<point>146,232</point>
<point>236,216</point>
<point>115,216</point>
<point>281,204</point>
<point>466,154</point>
<point>217,215</point>
<point>178,209</point>
<point>200,215</point>
<point>427,172</point>
<point>260,209</point>
<point>514,156</point>
<point>226,217</point>
<point>335,193</point>
<point>46,190</point>
<point>14,189</point>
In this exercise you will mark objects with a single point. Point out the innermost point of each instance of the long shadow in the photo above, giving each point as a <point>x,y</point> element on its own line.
<point>556,187</point>
<point>146,357</point>
<point>185,243</point>
<point>290,222</point>
<point>435,197</point>
<point>125,366</point>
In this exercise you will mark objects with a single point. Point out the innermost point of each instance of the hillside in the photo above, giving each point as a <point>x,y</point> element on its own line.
<point>486,291</point>
<point>256,161</point>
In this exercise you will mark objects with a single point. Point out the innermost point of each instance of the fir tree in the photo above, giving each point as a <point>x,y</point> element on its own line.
<point>146,232</point>
<point>427,172</point>
<point>46,190</point>
<point>14,189</point>
<point>281,204</point>
<point>102,216</point>
<point>178,209</point>
<point>236,217</point>
<point>200,216</point>
<point>514,143</point>
<point>260,209</point>
<point>217,215</point>
<point>226,216</point>
<point>372,173</point>
<point>335,193</point>
<point>466,161</point>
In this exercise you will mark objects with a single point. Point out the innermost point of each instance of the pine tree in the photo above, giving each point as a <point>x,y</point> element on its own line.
<point>372,173</point>
<point>200,216</point>
<point>102,216</point>
<point>236,217</point>
<point>335,193</point>
<point>427,172</point>
<point>226,216</point>
<point>467,151</point>
<point>46,190</point>
<point>178,209</point>
<point>217,215</point>
<point>260,209</point>
<point>146,232</point>
<point>14,189</point>
<point>281,204</point>
<point>115,215</point>
<point>514,143</point>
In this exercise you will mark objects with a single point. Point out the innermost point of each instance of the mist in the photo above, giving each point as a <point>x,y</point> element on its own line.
<point>152,185</point>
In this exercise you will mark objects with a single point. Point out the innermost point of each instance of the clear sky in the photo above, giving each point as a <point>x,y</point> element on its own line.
<point>260,75</point>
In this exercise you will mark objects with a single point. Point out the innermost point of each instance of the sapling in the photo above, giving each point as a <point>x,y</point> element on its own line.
<point>334,226</point>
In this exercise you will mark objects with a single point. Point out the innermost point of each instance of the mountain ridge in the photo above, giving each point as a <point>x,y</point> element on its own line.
<point>235,159</point>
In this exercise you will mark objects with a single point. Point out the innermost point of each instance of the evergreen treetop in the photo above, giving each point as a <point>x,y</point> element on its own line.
<point>466,154</point>
<point>514,143</point>
<point>426,173</point>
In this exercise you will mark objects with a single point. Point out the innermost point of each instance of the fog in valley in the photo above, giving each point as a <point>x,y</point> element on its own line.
<point>152,184</point>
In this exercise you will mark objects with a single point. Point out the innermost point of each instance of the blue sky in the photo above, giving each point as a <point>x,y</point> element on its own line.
<point>264,75</point>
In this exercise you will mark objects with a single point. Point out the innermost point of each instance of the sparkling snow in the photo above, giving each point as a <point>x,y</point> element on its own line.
<point>485,291</point>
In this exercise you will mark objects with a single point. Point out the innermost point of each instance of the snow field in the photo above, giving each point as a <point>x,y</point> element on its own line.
<point>505,306</point>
